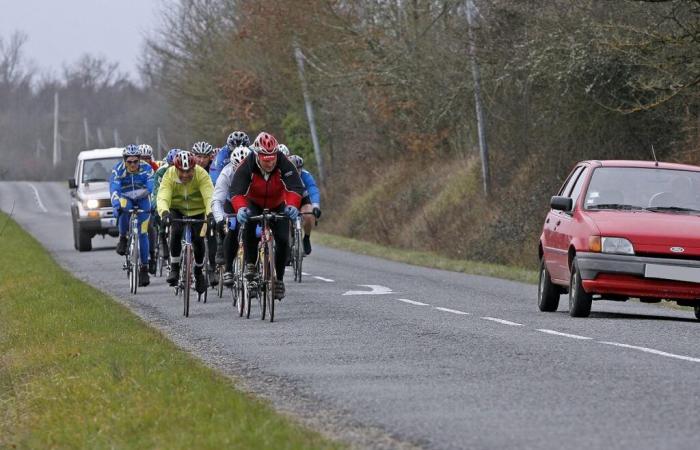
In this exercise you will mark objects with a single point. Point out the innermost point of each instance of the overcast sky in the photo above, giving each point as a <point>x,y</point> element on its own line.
<point>60,31</point>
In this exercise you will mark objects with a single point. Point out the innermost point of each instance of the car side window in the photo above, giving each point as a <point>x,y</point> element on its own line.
<point>566,189</point>
<point>578,185</point>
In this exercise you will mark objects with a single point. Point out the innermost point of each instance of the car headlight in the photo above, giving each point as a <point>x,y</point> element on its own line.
<point>617,245</point>
<point>92,204</point>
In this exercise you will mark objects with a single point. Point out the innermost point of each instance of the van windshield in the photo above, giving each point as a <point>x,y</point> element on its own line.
<point>96,170</point>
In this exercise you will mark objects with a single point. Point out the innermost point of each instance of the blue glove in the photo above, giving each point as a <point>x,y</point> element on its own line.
<point>243,215</point>
<point>291,212</point>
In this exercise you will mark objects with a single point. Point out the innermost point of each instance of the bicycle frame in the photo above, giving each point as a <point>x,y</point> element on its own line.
<point>266,263</point>
<point>186,263</point>
<point>132,256</point>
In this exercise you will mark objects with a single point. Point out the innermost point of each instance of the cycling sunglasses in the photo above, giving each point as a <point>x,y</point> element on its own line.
<point>132,161</point>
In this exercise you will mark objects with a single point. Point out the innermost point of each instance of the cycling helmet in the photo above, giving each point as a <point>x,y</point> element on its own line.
<point>237,139</point>
<point>283,148</point>
<point>239,154</point>
<point>131,150</point>
<point>184,160</point>
<point>202,148</point>
<point>170,157</point>
<point>146,150</point>
<point>265,145</point>
<point>297,160</point>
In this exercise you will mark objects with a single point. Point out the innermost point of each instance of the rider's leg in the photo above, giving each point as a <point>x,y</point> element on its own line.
<point>199,254</point>
<point>175,239</point>
<point>143,221</point>
<point>307,224</point>
<point>280,230</point>
<point>230,248</point>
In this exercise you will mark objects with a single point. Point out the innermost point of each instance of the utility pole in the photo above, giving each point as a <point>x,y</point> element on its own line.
<point>100,138</point>
<point>56,137</point>
<point>480,119</point>
<point>87,133</point>
<point>309,111</point>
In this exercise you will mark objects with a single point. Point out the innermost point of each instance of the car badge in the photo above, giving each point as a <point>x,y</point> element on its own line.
<point>677,249</point>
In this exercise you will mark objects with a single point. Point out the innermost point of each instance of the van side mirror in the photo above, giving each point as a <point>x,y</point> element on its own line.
<point>72,184</point>
<point>565,204</point>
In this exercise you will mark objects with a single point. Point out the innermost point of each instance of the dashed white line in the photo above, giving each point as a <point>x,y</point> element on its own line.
<point>557,333</point>
<point>327,280</point>
<point>453,311</point>
<point>651,350</point>
<point>305,274</point>
<point>504,322</point>
<point>412,302</point>
<point>38,199</point>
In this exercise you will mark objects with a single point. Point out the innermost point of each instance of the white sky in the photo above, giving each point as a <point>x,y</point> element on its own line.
<point>60,31</point>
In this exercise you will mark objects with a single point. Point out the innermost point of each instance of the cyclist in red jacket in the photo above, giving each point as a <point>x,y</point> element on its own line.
<point>267,180</point>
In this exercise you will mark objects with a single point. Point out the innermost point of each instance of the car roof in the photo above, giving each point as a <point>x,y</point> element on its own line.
<point>114,152</point>
<point>641,164</point>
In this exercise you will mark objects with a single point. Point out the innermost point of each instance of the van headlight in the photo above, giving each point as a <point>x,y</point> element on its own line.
<point>617,245</point>
<point>92,204</point>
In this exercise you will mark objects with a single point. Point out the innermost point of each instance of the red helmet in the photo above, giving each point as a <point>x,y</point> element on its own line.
<point>184,160</point>
<point>265,144</point>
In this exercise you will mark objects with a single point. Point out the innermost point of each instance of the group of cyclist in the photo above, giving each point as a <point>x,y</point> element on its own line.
<point>221,187</point>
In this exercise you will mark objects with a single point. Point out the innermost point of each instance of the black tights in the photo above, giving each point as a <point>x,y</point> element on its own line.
<point>280,230</point>
<point>176,229</point>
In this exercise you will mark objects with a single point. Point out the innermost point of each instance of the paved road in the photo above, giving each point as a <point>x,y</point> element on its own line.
<point>440,360</point>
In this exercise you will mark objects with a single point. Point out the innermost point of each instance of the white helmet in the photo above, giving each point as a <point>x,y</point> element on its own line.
<point>146,150</point>
<point>239,154</point>
<point>283,148</point>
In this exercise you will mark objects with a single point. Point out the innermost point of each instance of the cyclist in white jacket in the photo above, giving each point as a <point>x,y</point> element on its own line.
<point>220,206</point>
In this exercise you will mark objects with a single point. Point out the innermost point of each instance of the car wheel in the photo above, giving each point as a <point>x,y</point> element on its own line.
<point>697,311</point>
<point>84,241</point>
<point>579,300</point>
<point>547,293</point>
<point>75,234</point>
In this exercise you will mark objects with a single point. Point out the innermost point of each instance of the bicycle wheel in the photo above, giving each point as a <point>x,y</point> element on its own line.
<point>220,286</point>
<point>187,278</point>
<point>262,285</point>
<point>272,281</point>
<point>134,263</point>
<point>298,255</point>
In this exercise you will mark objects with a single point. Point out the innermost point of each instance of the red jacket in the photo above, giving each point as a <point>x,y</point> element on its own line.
<point>283,186</point>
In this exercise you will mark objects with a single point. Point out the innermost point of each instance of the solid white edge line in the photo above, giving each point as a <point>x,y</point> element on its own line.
<point>38,199</point>
<point>453,311</point>
<point>412,302</point>
<point>327,280</point>
<point>504,322</point>
<point>652,351</point>
<point>557,333</point>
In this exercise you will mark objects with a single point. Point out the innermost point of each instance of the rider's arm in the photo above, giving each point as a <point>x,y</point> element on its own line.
<point>292,183</point>
<point>115,187</point>
<point>219,164</point>
<point>150,180</point>
<point>310,183</point>
<point>165,191</point>
<point>205,187</point>
<point>221,192</point>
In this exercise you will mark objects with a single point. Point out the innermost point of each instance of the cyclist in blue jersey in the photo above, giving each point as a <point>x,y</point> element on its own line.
<point>311,201</point>
<point>131,184</point>
<point>235,139</point>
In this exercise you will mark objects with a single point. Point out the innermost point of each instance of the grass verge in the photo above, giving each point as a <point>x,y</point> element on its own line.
<point>426,259</point>
<point>79,370</point>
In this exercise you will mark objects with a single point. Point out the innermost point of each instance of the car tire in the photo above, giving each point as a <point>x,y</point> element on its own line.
<point>84,240</point>
<point>547,293</point>
<point>697,311</point>
<point>579,300</point>
<point>75,234</point>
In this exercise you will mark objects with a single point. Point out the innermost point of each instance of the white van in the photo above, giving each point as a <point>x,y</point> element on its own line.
<point>91,207</point>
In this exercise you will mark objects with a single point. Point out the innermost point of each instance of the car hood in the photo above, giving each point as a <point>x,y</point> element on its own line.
<point>652,232</point>
<point>97,190</point>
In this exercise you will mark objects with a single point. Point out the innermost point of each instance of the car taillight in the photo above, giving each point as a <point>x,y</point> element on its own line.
<point>594,244</point>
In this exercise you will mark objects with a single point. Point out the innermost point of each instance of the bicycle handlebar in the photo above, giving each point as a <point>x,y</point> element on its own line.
<point>188,220</point>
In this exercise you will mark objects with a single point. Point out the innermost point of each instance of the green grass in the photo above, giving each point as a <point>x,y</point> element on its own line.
<point>426,259</point>
<point>78,370</point>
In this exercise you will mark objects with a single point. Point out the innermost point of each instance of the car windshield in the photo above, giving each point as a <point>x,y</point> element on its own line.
<point>96,170</point>
<point>648,189</point>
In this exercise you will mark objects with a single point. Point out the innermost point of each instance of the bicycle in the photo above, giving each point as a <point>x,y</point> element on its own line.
<point>265,278</point>
<point>161,260</point>
<point>297,249</point>
<point>221,267</point>
<point>187,262</point>
<point>133,255</point>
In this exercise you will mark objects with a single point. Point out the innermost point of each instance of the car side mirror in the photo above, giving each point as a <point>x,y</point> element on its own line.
<point>565,204</point>
<point>72,184</point>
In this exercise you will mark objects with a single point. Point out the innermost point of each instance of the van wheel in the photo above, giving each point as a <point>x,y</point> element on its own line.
<point>697,311</point>
<point>579,300</point>
<point>84,240</point>
<point>547,293</point>
<point>75,234</point>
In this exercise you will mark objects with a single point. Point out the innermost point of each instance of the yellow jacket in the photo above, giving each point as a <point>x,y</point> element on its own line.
<point>190,199</point>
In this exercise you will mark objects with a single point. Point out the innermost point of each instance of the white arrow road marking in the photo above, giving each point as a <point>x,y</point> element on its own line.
<point>573,336</point>
<point>412,302</point>
<point>38,199</point>
<point>453,311</point>
<point>376,290</point>
<point>327,280</point>
<point>651,350</point>
<point>504,322</point>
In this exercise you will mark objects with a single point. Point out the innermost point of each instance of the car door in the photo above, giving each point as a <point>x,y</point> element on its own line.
<point>565,227</point>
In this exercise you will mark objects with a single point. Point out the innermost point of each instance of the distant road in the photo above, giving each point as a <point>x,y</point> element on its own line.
<point>408,355</point>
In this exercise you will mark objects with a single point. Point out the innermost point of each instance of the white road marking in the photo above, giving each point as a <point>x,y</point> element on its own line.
<point>38,199</point>
<point>504,322</point>
<point>573,336</point>
<point>412,302</point>
<point>453,311</point>
<point>651,350</point>
<point>327,280</point>
<point>376,290</point>
<point>305,274</point>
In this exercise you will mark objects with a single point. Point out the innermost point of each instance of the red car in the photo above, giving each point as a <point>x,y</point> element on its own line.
<point>621,229</point>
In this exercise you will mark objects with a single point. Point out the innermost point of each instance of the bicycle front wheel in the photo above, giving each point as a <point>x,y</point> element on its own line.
<point>272,281</point>
<point>187,278</point>
<point>134,263</point>
<point>298,256</point>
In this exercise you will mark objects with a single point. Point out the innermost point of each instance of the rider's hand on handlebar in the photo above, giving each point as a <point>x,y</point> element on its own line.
<point>243,215</point>
<point>166,217</point>
<point>317,212</point>
<point>291,212</point>
<point>211,222</point>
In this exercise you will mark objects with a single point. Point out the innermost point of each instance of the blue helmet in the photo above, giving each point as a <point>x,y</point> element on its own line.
<point>170,157</point>
<point>131,150</point>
